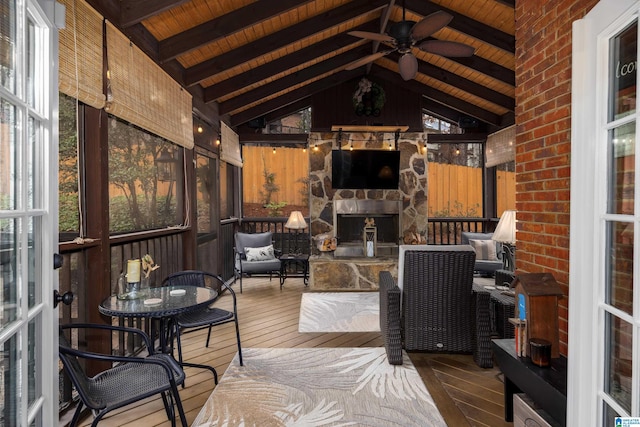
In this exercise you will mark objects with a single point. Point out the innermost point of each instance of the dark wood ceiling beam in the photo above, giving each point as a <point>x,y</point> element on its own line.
<point>510,3</point>
<point>462,83</point>
<point>288,109</point>
<point>440,111</point>
<point>466,25</point>
<point>283,64</point>
<point>110,9</point>
<point>488,68</point>
<point>222,26</point>
<point>134,12</point>
<point>293,96</point>
<point>274,138</point>
<point>438,96</point>
<point>279,39</point>
<point>447,138</point>
<point>334,63</point>
<point>278,114</point>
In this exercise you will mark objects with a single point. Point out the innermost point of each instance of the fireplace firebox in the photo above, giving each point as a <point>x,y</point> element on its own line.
<point>349,221</point>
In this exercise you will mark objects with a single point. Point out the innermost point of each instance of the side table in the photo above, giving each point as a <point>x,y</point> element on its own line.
<point>289,260</point>
<point>492,310</point>
<point>547,387</point>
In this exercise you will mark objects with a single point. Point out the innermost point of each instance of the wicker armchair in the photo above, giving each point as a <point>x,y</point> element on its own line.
<point>131,380</point>
<point>390,318</point>
<point>436,286</point>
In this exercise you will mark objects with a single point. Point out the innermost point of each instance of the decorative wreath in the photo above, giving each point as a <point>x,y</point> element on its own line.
<point>369,98</point>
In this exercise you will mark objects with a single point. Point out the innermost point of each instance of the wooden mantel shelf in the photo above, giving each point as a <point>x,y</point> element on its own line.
<point>368,128</point>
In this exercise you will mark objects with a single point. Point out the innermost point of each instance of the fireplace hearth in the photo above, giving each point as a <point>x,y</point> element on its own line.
<point>349,221</point>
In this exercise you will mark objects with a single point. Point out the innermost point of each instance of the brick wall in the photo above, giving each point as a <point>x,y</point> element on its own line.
<point>543,141</point>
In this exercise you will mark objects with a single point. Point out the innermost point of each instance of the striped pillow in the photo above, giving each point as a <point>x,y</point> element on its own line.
<point>485,249</point>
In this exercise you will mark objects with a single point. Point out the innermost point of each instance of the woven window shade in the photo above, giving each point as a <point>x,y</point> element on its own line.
<point>501,147</point>
<point>140,92</point>
<point>80,54</point>
<point>230,146</point>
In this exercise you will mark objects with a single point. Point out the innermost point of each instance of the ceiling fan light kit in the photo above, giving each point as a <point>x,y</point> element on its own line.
<point>408,65</point>
<point>405,35</point>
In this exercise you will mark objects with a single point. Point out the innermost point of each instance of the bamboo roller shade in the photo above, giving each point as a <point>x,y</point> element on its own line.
<point>80,54</point>
<point>143,94</point>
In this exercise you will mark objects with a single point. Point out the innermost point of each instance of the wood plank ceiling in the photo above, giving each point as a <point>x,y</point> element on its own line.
<point>247,59</point>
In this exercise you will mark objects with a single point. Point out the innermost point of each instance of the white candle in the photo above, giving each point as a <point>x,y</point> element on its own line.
<point>133,270</point>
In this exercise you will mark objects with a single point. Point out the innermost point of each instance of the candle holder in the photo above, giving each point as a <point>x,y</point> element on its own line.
<point>130,286</point>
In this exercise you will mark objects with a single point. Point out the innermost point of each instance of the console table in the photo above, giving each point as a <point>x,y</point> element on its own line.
<point>547,387</point>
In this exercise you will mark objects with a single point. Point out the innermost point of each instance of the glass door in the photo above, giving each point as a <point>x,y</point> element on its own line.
<point>619,221</point>
<point>28,215</point>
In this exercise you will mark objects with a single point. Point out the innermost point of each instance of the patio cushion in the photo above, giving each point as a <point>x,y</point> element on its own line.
<point>263,253</point>
<point>266,266</point>
<point>485,249</point>
<point>251,240</point>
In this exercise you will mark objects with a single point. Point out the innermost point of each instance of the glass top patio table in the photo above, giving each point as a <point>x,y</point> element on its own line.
<point>160,302</point>
<point>163,303</point>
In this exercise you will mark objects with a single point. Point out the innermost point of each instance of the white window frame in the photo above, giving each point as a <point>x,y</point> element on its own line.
<point>588,165</point>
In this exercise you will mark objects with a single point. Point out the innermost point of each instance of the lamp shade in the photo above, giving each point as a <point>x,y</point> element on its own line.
<point>506,229</point>
<point>296,221</point>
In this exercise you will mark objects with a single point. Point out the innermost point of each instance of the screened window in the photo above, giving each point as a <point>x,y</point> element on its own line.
<point>69,217</point>
<point>145,180</point>
<point>455,172</point>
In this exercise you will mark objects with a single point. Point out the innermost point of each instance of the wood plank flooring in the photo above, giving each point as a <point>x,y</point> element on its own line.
<point>465,394</point>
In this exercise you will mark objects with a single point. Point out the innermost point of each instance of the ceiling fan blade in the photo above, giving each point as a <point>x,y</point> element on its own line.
<point>447,48</point>
<point>430,24</point>
<point>371,36</point>
<point>408,65</point>
<point>365,60</point>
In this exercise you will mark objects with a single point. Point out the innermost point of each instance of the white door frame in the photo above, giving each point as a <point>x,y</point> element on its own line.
<point>585,265</point>
<point>32,332</point>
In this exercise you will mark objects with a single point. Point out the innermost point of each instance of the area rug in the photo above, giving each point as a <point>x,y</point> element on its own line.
<point>319,387</point>
<point>339,312</point>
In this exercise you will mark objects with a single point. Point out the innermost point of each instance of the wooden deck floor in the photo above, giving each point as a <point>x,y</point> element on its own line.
<point>465,394</point>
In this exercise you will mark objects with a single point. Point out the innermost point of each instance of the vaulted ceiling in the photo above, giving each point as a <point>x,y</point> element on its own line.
<point>246,59</point>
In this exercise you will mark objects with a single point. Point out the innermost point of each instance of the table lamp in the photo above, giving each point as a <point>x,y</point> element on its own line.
<point>505,233</point>
<point>296,222</point>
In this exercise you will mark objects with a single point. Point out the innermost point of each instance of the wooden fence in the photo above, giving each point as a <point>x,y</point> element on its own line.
<point>453,190</point>
<point>290,165</point>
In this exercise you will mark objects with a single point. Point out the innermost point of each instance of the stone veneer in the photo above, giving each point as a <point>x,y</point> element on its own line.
<point>412,191</point>
<point>329,273</point>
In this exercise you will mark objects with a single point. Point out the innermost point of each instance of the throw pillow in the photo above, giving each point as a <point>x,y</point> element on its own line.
<point>485,249</point>
<point>260,254</point>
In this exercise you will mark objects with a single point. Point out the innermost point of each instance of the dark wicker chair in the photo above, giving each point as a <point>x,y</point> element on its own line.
<point>390,317</point>
<point>242,266</point>
<point>207,317</point>
<point>131,380</point>
<point>436,286</point>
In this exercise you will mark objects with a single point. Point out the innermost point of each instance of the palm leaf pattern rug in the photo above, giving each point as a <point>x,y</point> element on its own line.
<point>339,312</point>
<point>319,387</point>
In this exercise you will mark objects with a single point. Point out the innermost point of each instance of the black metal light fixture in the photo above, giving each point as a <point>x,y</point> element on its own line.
<point>165,165</point>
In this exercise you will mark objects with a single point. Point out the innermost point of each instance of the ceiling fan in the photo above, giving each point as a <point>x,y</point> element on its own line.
<point>404,35</point>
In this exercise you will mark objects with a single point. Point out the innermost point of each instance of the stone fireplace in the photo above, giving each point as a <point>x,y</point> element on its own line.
<point>340,213</point>
<point>349,219</point>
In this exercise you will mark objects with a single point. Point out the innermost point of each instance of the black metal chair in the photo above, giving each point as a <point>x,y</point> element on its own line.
<point>207,317</point>
<point>130,380</point>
